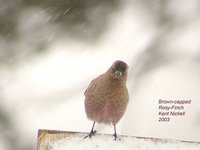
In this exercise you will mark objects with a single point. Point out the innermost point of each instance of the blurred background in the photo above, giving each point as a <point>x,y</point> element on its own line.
<point>51,50</point>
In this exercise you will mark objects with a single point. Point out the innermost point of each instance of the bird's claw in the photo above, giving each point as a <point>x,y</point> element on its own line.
<point>116,138</point>
<point>92,133</point>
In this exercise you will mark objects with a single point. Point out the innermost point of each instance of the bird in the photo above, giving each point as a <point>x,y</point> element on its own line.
<point>106,97</point>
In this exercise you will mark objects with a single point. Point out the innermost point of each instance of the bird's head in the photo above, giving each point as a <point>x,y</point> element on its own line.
<point>119,70</point>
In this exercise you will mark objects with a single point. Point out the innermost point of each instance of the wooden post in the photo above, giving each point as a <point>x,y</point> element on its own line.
<point>56,140</point>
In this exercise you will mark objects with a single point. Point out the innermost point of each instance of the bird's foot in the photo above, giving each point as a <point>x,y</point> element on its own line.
<point>116,138</point>
<point>92,133</point>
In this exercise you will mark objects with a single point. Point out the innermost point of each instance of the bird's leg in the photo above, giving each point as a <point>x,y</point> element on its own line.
<point>92,132</point>
<point>115,134</point>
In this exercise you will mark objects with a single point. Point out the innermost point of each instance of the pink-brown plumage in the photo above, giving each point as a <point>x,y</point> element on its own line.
<point>106,97</point>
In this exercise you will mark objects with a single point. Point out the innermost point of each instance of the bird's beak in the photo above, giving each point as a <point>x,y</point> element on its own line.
<point>118,74</point>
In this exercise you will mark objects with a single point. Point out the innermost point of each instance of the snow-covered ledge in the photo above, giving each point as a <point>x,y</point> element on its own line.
<point>64,140</point>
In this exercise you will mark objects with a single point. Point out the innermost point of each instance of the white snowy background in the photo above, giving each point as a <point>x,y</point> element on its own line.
<point>158,40</point>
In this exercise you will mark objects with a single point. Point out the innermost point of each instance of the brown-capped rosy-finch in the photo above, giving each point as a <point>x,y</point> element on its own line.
<point>106,97</point>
